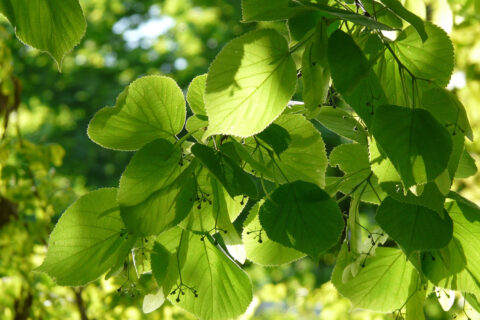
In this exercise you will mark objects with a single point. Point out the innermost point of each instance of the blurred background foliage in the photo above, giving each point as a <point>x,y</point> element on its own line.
<point>47,160</point>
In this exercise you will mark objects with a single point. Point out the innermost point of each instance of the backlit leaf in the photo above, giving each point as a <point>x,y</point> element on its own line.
<point>149,108</point>
<point>249,84</point>
<point>88,240</point>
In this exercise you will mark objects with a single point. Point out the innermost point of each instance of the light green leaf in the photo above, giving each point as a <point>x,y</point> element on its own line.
<point>224,290</point>
<point>152,168</point>
<point>231,176</point>
<point>315,70</point>
<point>198,125</point>
<point>54,26</point>
<point>152,302</point>
<point>353,76</point>
<point>249,84</point>
<point>304,159</point>
<point>415,21</point>
<point>432,59</point>
<point>381,166</point>
<point>195,94</point>
<point>165,274</point>
<point>214,209</point>
<point>302,216</point>
<point>342,123</point>
<point>472,300</point>
<point>418,146</point>
<point>149,108</point>
<point>88,240</point>
<point>162,209</point>
<point>260,249</point>
<point>382,285</point>
<point>414,227</point>
<point>416,301</point>
<point>457,267</point>
<point>466,167</point>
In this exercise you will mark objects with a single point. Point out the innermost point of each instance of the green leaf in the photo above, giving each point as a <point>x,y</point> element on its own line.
<point>160,260</point>
<point>416,301</point>
<point>214,209</point>
<point>231,176</point>
<point>268,10</point>
<point>88,240</point>
<point>149,108</point>
<point>166,274</point>
<point>414,227</point>
<point>152,168</point>
<point>315,70</point>
<point>276,138</point>
<point>195,94</point>
<point>152,302</point>
<point>466,167</point>
<point>432,60</point>
<point>353,76</point>
<point>382,285</point>
<point>446,108</point>
<point>383,14</point>
<point>430,198</point>
<point>350,157</point>
<point>415,21</point>
<point>457,267</point>
<point>472,300</point>
<point>54,26</point>
<point>300,26</point>
<point>358,180</point>
<point>302,216</point>
<point>244,153</point>
<point>260,249</point>
<point>342,123</point>
<point>249,84</point>
<point>224,290</point>
<point>162,209</point>
<point>305,158</point>
<point>381,166</point>
<point>197,124</point>
<point>349,16</point>
<point>417,145</point>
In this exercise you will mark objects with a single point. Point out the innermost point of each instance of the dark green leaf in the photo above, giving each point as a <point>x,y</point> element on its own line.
<point>302,216</point>
<point>414,227</point>
<point>276,137</point>
<point>231,176</point>
<point>353,76</point>
<point>417,145</point>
